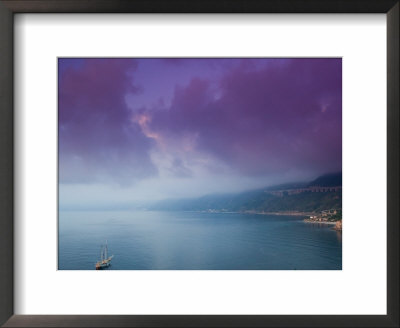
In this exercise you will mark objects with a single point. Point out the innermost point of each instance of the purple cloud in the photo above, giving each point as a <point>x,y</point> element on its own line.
<point>262,121</point>
<point>251,117</point>
<point>97,138</point>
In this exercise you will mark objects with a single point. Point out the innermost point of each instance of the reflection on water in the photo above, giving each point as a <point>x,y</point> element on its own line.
<point>339,236</point>
<point>196,241</point>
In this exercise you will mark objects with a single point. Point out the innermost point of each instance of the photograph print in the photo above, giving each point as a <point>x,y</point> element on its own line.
<point>199,164</point>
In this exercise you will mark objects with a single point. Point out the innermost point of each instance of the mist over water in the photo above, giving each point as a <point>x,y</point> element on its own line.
<point>150,240</point>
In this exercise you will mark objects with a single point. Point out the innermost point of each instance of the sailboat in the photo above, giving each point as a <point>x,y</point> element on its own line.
<point>105,261</point>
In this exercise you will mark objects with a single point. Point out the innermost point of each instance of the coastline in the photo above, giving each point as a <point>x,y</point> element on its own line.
<point>320,222</point>
<point>289,213</point>
<point>337,224</point>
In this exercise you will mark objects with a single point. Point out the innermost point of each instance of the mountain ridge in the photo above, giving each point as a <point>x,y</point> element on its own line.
<point>300,197</point>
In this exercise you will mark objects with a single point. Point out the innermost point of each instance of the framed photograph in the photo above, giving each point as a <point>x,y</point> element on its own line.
<point>202,164</point>
<point>210,167</point>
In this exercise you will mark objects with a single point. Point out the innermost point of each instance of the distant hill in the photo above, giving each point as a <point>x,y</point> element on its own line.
<point>327,180</point>
<point>265,200</point>
<point>292,185</point>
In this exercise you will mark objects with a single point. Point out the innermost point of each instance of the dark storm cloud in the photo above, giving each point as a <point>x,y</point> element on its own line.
<point>286,115</point>
<point>258,117</point>
<point>97,139</point>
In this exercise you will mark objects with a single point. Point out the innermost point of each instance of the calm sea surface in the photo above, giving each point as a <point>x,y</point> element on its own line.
<point>196,241</point>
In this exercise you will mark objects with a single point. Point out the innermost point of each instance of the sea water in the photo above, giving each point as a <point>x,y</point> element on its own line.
<point>154,240</point>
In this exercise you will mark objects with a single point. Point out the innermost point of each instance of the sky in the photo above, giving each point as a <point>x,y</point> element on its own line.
<point>136,130</point>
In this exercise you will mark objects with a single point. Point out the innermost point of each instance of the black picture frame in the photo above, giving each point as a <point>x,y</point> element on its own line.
<point>10,7</point>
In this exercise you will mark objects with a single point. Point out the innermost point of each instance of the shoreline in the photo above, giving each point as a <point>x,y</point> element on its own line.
<point>283,213</point>
<point>287,213</point>
<point>320,222</point>
<point>337,225</point>
<point>294,213</point>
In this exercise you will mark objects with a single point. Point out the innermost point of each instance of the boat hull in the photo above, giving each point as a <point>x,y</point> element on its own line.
<point>103,264</point>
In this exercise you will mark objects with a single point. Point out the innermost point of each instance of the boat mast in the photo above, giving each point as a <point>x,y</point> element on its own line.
<point>105,251</point>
